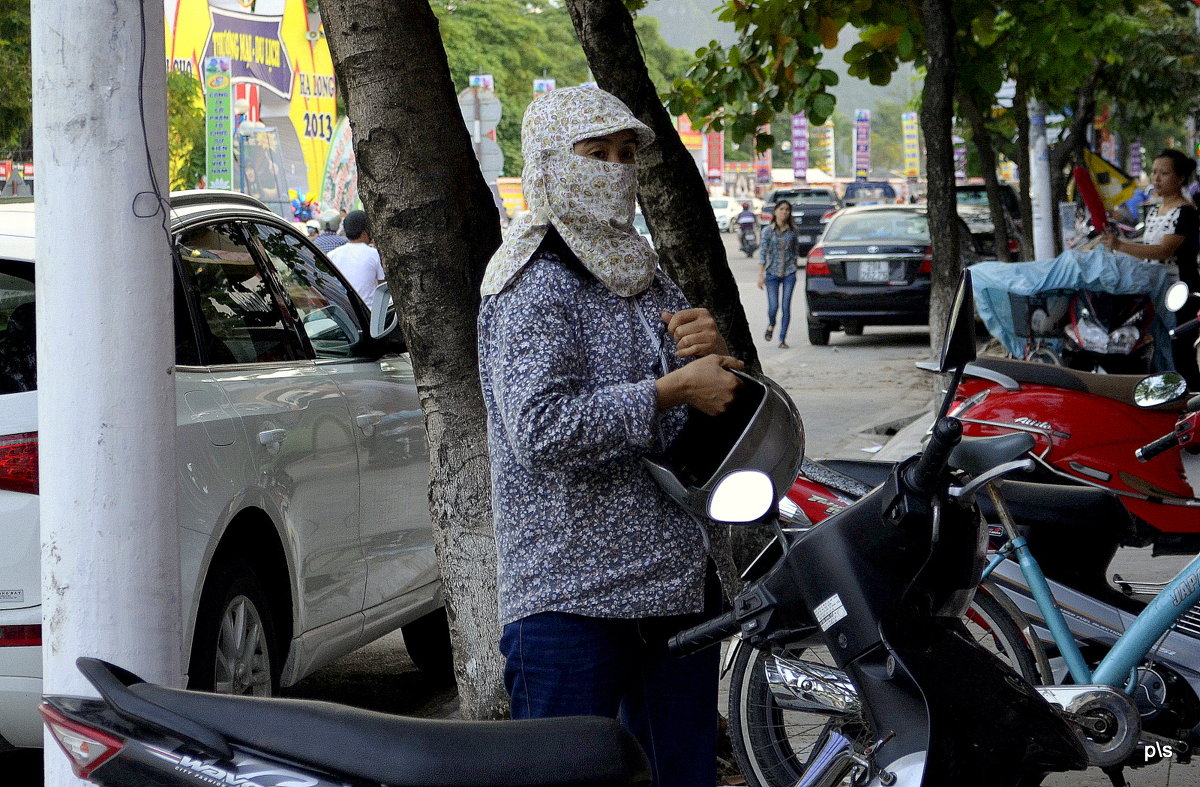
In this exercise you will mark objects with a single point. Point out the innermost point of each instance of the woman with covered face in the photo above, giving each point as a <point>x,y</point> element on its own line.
<point>588,354</point>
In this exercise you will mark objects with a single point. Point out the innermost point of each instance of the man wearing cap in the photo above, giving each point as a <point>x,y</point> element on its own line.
<point>357,259</point>
<point>328,239</point>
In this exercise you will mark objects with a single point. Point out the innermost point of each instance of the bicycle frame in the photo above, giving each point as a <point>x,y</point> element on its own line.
<point>1118,668</point>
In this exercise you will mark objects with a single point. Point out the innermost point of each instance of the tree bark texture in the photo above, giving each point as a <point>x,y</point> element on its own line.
<point>671,188</point>
<point>1024,163</point>
<point>988,163</point>
<point>937,112</point>
<point>435,224</point>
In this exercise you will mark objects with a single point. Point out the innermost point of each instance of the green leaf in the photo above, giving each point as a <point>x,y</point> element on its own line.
<point>823,105</point>
<point>905,46</point>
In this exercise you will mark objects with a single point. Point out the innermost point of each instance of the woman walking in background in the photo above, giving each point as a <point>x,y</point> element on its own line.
<point>777,273</point>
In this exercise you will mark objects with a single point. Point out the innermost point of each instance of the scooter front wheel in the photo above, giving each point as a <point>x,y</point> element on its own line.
<point>774,745</point>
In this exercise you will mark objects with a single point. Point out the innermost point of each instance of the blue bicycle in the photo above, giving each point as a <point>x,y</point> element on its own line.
<point>1125,660</point>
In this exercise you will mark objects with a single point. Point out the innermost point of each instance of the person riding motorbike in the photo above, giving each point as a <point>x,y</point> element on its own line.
<point>746,221</point>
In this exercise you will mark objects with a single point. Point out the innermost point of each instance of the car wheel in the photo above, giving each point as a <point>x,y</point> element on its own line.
<point>427,640</point>
<point>818,334</point>
<point>234,645</point>
<point>853,328</point>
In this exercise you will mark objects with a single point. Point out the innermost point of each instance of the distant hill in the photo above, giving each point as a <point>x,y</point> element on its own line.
<point>691,24</point>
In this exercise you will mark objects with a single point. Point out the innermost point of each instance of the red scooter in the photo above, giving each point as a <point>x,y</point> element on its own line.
<point>1087,428</point>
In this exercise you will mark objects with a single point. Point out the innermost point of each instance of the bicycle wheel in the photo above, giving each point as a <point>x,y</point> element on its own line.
<point>989,623</point>
<point>773,745</point>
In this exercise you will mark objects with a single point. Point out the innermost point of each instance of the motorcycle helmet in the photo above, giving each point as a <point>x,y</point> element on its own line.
<point>745,206</point>
<point>735,466</point>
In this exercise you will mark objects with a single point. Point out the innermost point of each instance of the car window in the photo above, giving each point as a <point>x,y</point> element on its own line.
<point>907,226</point>
<point>719,204</point>
<point>971,197</point>
<point>323,303</point>
<point>241,319</point>
<point>806,197</point>
<point>18,358</point>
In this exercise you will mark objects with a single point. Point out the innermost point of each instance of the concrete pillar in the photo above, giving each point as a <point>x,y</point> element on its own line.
<point>1039,184</point>
<point>106,399</point>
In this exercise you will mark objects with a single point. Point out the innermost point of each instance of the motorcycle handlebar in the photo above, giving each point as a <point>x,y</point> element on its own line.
<point>1151,450</point>
<point>924,474</point>
<point>708,633</point>
<point>1187,326</point>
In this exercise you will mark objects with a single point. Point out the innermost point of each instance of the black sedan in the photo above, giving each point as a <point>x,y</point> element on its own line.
<point>872,267</point>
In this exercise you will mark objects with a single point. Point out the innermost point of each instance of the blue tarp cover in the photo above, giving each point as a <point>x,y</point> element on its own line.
<point>1098,270</point>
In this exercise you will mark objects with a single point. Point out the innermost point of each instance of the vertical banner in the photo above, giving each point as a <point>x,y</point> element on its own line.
<point>6,169</point>
<point>862,144</point>
<point>716,156</point>
<point>485,81</point>
<point>1135,159</point>
<point>800,147</point>
<point>543,86</point>
<point>829,164</point>
<point>218,122</point>
<point>912,145</point>
<point>960,157</point>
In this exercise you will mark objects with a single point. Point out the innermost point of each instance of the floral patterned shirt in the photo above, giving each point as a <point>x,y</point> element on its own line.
<point>568,370</point>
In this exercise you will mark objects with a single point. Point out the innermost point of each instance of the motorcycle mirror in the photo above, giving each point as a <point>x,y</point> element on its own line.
<point>958,345</point>
<point>1159,389</point>
<point>741,496</point>
<point>1177,296</point>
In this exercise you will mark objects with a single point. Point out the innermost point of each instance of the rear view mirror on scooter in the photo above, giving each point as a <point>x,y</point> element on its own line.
<point>1159,389</point>
<point>958,345</point>
<point>1177,296</point>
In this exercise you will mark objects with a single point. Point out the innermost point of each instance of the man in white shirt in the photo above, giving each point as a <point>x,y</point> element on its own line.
<point>356,259</point>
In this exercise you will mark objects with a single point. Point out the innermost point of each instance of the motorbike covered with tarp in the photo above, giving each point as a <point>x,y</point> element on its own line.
<point>1058,300</point>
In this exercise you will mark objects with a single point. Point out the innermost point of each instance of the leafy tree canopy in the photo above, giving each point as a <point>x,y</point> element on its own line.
<point>16,79</point>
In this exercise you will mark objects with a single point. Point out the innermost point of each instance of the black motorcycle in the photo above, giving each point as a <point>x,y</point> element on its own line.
<point>911,699</point>
<point>748,238</point>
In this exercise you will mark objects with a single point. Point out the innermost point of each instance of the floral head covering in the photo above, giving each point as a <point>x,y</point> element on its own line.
<point>590,202</point>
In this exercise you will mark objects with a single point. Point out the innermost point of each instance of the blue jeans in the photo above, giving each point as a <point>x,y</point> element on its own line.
<point>560,664</point>
<point>775,299</point>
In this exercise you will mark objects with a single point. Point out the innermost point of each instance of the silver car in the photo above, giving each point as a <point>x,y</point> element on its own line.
<point>302,465</point>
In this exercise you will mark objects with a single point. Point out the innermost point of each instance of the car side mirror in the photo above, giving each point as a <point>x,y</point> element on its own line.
<point>384,320</point>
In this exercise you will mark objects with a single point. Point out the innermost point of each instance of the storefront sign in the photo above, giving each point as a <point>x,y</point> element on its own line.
<point>862,144</point>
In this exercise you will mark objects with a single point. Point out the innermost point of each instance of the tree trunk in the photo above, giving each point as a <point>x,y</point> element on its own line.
<point>435,224</point>
<point>671,188</point>
<point>937,112</point>
<point>987,161</point>
<point>1024,164</point>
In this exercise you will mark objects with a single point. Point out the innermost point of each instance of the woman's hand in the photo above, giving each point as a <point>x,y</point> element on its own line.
<point>762,277</point>
<point>695,333</point>
<point>704,384</point>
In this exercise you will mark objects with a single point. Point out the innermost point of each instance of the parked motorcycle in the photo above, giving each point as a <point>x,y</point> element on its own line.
<point>748,239</point>
<point>1086,427</point>
<point>908,698</point>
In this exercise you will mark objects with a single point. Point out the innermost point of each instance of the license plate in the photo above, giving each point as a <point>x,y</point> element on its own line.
<point>804,238</point>
<point>873,270</point>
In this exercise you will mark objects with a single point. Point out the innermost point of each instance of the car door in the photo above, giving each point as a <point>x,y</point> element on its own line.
<point>302,462</point>
<point>389,426</point>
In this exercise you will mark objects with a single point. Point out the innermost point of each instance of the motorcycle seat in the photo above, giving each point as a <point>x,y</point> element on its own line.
<point>395,751</point>
<point>1118,387</point>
